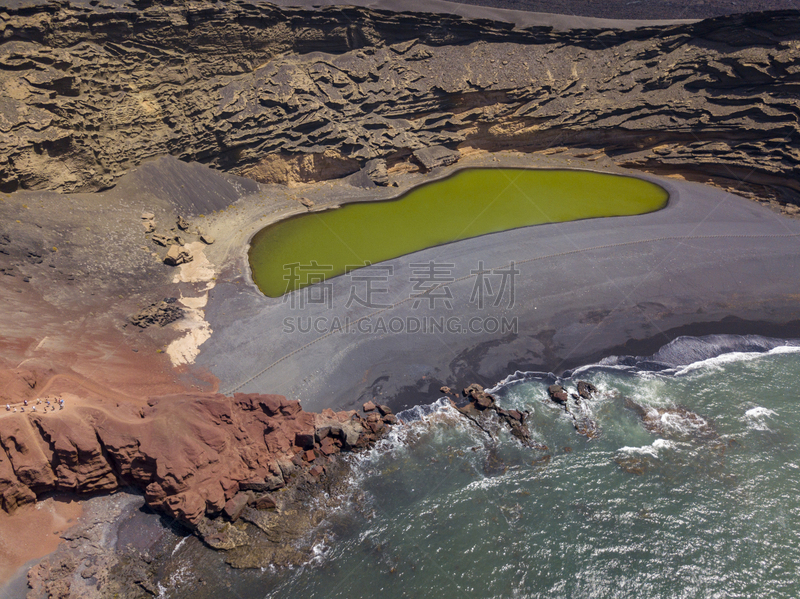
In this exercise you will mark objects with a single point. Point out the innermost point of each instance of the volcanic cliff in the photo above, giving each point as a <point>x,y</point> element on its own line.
<point>291,94</point>
<point>193,456</point>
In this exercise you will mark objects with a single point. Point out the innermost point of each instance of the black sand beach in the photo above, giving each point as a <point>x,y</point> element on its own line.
<point>711,262</point>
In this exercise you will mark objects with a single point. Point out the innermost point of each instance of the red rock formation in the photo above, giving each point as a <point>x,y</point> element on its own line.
<point>190,454</point>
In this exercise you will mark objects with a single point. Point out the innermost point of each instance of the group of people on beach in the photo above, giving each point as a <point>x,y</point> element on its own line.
<point>47,405</point>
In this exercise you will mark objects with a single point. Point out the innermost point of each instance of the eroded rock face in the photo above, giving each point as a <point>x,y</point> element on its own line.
<point>194,456</point>
<point>292,95</point>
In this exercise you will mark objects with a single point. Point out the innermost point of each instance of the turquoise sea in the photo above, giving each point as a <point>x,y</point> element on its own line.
<point>703,501</point>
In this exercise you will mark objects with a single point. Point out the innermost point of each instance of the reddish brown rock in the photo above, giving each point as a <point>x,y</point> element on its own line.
<point>328,446</point>
<point>479,397</point>
<point>233,508</point>
<point>191,455</point>
<point>369,407</point>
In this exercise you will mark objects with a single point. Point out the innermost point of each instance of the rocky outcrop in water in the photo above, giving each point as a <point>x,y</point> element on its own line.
<point>582,419</point>
<point>673,422</point>
<point>482,403</point>
<point>282,95</point>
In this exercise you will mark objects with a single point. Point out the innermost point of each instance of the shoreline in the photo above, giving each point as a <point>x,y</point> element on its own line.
<point>116,525</point>
<point>698,322</point>
<point>72,320</point>
<point>231,283</point>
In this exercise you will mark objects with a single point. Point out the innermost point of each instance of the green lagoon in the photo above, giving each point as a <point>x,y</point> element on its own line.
<point>302,250</point>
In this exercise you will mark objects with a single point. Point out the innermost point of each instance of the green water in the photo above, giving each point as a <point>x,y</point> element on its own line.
<point>442,512</point>
<point>470,203</point>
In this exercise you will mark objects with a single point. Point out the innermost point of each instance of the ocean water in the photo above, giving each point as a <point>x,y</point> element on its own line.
<point>703,503</point>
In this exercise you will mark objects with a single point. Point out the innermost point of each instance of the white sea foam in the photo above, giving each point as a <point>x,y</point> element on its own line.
<point>651,392</point>
<point>756,418</point>
<point>718,362</point>
<point>759,412</point>
<point>651,449</point>
<point>424,411</point>
<point>488,482</point>
<point>177,580</point>
<point>180,544</point>
<point>318,552</point>
<point>581,369</point>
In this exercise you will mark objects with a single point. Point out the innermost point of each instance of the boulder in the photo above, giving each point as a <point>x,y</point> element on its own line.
<point>270,482</point>
<point>369,406</point>
<point>376,426</point>
<point>436,156</point>
<point>384,410</point>
<point>183,225</point>
<point>377,172</point>
<point>328,446</point>
<point>586,390</point>
<point>161,313</point>
<point>233,508</point>
<point>287,468</point>
<point>148,220</point>
<point>557,394</point>
<point>177,255</point>
<point>351,431</point>
<point>161,240</point>
<point>516,415</point>
<point>478,396</point>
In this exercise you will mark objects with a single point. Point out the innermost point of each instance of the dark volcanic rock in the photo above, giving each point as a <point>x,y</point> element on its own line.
<point>436,156</point>
<point>377,172</point>
<point>160,313</point>
<point>288,94</point>
<point>585,390</point>
<point>558,395</point>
